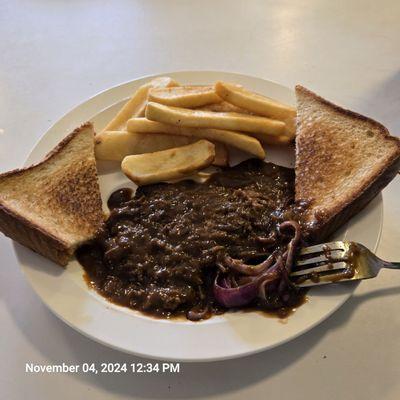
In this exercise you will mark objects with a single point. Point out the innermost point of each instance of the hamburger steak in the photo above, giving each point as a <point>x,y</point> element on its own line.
<point>160,249</point>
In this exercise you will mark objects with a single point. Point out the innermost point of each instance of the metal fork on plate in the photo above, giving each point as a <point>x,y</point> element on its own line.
<point>336,262</point>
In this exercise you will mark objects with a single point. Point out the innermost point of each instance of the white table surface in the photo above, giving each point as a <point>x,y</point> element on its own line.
<point>56,54</point>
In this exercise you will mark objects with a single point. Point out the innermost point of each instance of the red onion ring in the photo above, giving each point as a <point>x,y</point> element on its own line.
<point>229,296</point>
<point>289,254</point>
<point>246,269</point>
<point>293,243</point>
<point>254,278</point>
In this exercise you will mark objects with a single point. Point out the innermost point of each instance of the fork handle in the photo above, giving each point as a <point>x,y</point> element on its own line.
<point>391,265</point>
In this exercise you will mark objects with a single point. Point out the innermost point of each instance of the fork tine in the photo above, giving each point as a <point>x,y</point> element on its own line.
<point>319,248</point>
<point>335,255</point>
<point>309,283</point>
<point>322,268</point>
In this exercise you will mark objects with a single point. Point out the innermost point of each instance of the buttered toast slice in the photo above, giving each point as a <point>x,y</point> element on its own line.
<point>54,206</point>
<point>343,160</point>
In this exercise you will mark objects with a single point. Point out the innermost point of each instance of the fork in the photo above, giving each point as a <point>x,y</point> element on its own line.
<point>336,261</point>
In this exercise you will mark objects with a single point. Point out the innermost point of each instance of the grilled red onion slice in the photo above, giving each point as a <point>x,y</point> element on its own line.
<point>241,295</point>
<point>293,243</point>
<point>197,315</point>
<point>246,269</point>
<point>289,254</point>
<point>256,278</point>
<point>235,297</point>
<point>276,267</point>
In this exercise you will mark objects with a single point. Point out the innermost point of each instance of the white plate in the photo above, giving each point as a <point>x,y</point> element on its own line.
<point>221,337</point>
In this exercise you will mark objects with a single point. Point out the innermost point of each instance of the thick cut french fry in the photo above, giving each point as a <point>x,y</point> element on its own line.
<point>144,169</point>
<point>239,140</point>
<point>256,126</point>
<point>224,106</point>
<point>184,96</point>
<point>221,154</point>
<point>279,140</point>
<point>115,145</point>
<point>257,104</point>
<point>198,177</point>
<point>136,105</point>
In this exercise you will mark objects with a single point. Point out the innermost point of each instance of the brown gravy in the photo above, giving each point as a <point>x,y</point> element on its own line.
<point>159,248</point>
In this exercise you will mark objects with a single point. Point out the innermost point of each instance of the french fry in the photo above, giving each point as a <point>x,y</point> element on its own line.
<point>279,140</point>
<point>115,145</point>
<point>136,105</point>
<point>257,104</point>
<point>224,106</point>
<point>144,169</point>
<point>184,96</point>
<point>259,127</point>
<point>243,142</point>
<point>221,154</point>
<point>198,177</point>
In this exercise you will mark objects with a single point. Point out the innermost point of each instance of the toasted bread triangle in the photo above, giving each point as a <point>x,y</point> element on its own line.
<point>55,205</point>
<point>343,160</point>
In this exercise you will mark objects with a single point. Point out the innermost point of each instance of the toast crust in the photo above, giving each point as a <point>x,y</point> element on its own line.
<point>346,111</point>
<point>34,237</point>
<point>70,191</point>
<point>321,229</point>
<point>51,154</point>
<point>321,223</point>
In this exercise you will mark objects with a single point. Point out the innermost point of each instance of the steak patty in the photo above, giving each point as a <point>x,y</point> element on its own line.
<point>159,250</point>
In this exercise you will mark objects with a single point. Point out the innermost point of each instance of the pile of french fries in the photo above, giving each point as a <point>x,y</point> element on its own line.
<point>167,132</point>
